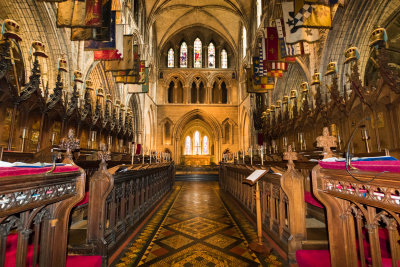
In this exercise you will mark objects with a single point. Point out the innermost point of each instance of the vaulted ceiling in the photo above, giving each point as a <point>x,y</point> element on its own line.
<point>223,16</point>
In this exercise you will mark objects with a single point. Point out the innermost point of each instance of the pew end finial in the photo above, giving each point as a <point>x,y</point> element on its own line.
<point>290,156</point>
<point>327,141</point>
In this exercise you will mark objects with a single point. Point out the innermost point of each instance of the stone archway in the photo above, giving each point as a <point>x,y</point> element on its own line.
<point>204,121</point>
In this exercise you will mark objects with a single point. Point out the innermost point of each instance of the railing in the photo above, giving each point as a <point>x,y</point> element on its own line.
<point>282,202</point>
<point>34,214</point>
<point>363,216</point>
<point>119,198</point>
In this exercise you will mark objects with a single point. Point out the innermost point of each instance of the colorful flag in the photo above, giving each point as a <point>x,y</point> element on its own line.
<point>256,68</point>
<point>114,54</point>
<point>94,14</point>
<point>310,15</point>
<point>271,44</point>
<point>71,13</point>
<point>103,45</point>
<point>127,62</point>
<point>293,34</point>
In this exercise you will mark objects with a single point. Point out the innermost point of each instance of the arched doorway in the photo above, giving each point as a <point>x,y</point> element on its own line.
<point>197,139</point>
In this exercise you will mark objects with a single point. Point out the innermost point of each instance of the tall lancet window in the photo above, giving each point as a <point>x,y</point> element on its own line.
<point>244,40</point>
<point>196,145</point>
<point>188,146</point>
<point>183,56</point>
<point>259,12</point>
<point>170,58</point>
<point>197,53</point>
<point>211,55</point>
<point>205,145</point>
<point>224,59</point>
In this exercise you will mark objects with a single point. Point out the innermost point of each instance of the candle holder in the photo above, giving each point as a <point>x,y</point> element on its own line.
<point>365,138</point>
<point>24,136</point>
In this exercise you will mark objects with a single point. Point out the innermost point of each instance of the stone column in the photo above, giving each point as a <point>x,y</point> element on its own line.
<point>185,95</point>
<point>190,56</point>
<point>197,93</point>
<point>208,96</point>
<point>205,56</point>
<point>219,94</point>
<point>218,50</point>
<point>177,57</point>
<point>175,93</point>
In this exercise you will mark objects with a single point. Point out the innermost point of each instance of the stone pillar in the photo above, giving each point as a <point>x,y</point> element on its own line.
<point>205,57</point>
<point>219,94</point>
<point>190,56</point>
<point>218,50</point>
<point>175,93</point>
<point>177,56</point>
<point>208,96</point>
<point>197,93</point>
<point>185,95</point>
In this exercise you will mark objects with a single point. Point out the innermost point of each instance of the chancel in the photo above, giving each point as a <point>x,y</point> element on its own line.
<point>199,133</point>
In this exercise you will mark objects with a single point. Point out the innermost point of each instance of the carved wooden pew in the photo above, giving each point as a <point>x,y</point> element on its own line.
<point>34,212</point>
<point>119,198</point>
<point>283,208</point>
<point>363,216</point>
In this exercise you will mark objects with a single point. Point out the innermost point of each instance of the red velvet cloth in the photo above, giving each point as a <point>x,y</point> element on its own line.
<point>72,261</point>
<point>84,200</point>
<point>373,166</point>
<point>313,258</point>
<point>310,199</point>
<point>17,171</point>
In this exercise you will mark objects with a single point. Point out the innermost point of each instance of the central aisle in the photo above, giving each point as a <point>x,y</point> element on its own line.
<point>195,226</point>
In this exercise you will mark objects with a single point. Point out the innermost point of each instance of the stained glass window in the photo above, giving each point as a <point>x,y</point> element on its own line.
<point>205,145</point>
<point>197,53</point>
<point>170,58</point>
<point>259,12</point>
<point>188,146</point>
<point>196,145</point>
<point>211,55</point>
<point>244,39</point>
<point>224,59</point>
<point>183,56</point>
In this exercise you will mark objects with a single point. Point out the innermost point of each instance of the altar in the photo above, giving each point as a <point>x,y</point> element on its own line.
<point>196,160</point>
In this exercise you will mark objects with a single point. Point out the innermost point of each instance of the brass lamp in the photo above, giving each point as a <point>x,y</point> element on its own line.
<point>278,104</point>
<point>11,29</point>
<point>116,106</point>
<point>331,69</point>
<point>351,54</point>
<point>100,96</point>
<point>285,99</point>
<point>39,49</point>
<point>78,76</point>
<point>293,94</point>
<point>304,87</point>
<point>316,78</point>
<point>378,35</point>
<point>62,64</point>
<point>272,109</point>
<point>89,85</point>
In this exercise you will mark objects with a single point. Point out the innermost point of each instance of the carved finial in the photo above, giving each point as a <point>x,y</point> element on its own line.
<point>326,142</point>
<point>290,156</point>
<point>70,143</point>
<point>104,154</point>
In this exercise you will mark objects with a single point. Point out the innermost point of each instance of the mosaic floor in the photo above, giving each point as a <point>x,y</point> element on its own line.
<point>196,226</point>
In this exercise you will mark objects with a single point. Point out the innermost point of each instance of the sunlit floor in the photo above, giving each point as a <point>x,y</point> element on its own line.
<point>195,226</point>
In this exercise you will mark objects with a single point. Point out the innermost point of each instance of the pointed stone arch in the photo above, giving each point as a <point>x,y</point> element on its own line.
<point>208,119</point>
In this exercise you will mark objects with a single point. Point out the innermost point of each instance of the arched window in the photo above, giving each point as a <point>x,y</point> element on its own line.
<point>224,93</point>
<point>167,133</point>
<point>244,39</point>
<point>224,59</point>
<point>171,92</point>
<point>196,145</point>
<point>188,146</point>
<point>259,12</point>
<point>211,55</point>
<point>205,145</point>
<point>197,53</point>
<point>227,133</point>
<point>170,58</point>
<point>183,55</point>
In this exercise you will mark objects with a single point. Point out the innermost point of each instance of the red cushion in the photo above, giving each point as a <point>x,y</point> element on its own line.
<point>373,166</point>
<point>72,261</point>
<point>310,199</point>
<point>17,171</point>
<point>84,200</point>
<point>313,258</point>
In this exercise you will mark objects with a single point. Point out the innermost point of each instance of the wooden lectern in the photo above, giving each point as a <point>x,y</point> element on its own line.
<point>252,179</point>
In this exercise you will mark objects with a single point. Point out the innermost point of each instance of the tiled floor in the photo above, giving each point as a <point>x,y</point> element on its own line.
<point>195,227</point>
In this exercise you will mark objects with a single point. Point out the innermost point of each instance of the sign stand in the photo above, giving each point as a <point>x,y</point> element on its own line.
<point>252,179</point>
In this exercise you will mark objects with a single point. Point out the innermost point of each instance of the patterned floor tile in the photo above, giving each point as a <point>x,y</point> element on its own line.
<point>196,227</point>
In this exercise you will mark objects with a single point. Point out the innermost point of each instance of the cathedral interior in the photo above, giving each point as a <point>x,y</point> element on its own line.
<point>200,133</point>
